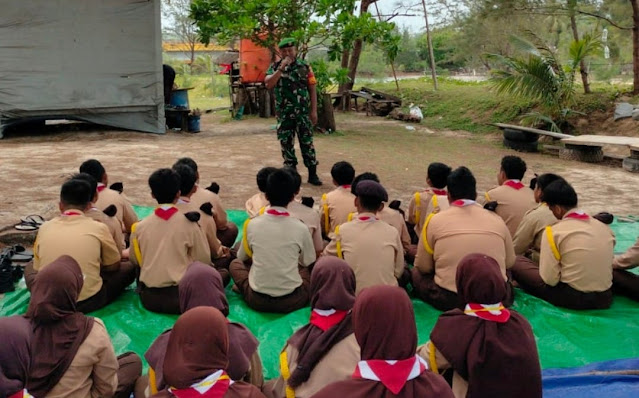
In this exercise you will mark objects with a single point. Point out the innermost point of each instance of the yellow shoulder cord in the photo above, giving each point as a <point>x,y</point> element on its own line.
<point>153,387</point>
<point>286,374</point>
<point>432,357</point>
<point>327,225</point>
<point>418,212</point>
<point>429,249</point>
<point>136,245</point>
<point>247,248</point>
<point>553,245</point>
<point>487,197</point>
<point>338,241</point>
<point>435,202</point>
<point>262,210</point>
<point>350,216</point>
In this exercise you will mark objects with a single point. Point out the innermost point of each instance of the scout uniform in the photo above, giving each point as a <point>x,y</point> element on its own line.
<point>623,281</point>
<point>449,236</point>
<point>164,245</point>
<point>90,243</point>
<point>336,206</point>
<point>125,214</point>
<point>311,219</point>
<point>226,231</point>
<point>276,243</point>
<point>531,229</point>
<point>372,248</point>
<point>514,200</point>
<point>293,104</point>
<point>255,203</point>
<point>206,222</point>
<point>393,218</point>
<point>575,267</point>
<point>114,225</point>
<point>431,200</point>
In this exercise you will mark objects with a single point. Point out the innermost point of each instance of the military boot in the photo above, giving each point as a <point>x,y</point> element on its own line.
<point>312,176</point>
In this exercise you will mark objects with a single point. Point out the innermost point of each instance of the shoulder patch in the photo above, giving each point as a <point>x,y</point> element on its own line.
<point>111,211</point>
<point>214,187</point>
<point>117,186</point>
<point>192,216</point>
<point>207,208</point>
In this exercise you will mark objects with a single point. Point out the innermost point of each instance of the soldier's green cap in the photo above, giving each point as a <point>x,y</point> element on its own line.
<point>287,42</point>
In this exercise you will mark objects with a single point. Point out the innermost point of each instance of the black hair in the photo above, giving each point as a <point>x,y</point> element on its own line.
<point>438,174</point>
<point>514,167</point>
<point>187,177</point>
<point>88,178</point>
<point>187,161</point>
<point>363,177</point>
<point>93,168</point>
<point>544,180</point>
<point>262,177</point>
<point>165,184</point>
<point>280,188</point>
<point>76,193</point>
<point>560,193</point>
<point>462,184</point>
<point>297,178</point>
<point>370,203</point>
<point>343,173</point>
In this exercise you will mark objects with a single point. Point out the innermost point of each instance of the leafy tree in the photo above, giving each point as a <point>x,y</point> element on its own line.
<point>181,26</point>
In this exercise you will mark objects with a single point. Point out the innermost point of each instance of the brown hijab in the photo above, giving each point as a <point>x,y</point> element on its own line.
<point>332,287</point>
<point>498,359</point>
<point>385,329</point>
<point>202,285</point>
<point>198,347</point>
<point>58,328</point>
<point>15,354</point>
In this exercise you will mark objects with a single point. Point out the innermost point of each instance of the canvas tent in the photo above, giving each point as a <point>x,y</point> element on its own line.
<point>98,61</point>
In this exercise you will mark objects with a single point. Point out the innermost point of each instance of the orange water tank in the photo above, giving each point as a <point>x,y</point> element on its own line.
<point>254,62</point>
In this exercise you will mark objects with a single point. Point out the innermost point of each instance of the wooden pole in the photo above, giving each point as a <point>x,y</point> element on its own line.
<point>430,47</point>
<point>391,62</point>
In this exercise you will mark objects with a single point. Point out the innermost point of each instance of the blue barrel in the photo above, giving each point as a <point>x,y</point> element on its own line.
<point>180,98</point>
<point>194,124</point>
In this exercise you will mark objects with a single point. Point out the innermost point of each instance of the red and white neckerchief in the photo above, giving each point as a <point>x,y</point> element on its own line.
<point>214,386</point>
<point>392,374</point>
<point>439,192</point>
<point>21,394</point>
<point>101,187</point>
<point>326,319</point>
<point>165,212</point>
<point>72,213</point>
<point>366,218</point>
<point>463,202</point>
<point>577,215</point>
<point>347,186</point>
<point>183,200</point>
<point>278,213</point>
<point>516,184</point>
<point>489,312</point>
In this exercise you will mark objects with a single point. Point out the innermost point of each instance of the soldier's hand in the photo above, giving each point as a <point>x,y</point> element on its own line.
<point>313,116</point>
<point>285,62</point>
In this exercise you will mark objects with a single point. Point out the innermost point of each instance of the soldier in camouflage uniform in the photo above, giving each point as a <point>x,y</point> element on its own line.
<point>296,104</point>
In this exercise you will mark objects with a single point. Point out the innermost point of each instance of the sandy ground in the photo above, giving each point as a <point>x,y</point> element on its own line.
<point>34,164</point>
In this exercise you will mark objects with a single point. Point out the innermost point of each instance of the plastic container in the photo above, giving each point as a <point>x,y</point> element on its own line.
<point>180,98</point>
<point>194,124</point>
<point>254,62</point>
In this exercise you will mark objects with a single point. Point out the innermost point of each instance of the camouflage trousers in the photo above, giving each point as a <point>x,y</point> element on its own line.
<point>286,131</point>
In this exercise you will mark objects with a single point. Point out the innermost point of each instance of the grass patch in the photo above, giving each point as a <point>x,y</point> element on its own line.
<point>209,91</point>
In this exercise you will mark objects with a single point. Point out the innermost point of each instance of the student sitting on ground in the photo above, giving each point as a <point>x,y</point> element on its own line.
<point>370,246</point>
<point>325,350</point>
<point>513,198</point>
<point>258,201</point>
<point>275,242</point>
<point>89,242</point>
<point>15,356</point>
<point>202,286</point>
<point>164,244</point>
<point>527,239</point>
<point>226,230</point>
<point>431,200</point>
<point>197,358</point>
<point>107,196</point>
<point>337,204</point>
<point>220,255</point>
<point>575,266</point>
<point>75,355</point>
<point>305,214</point>
<point>384,326</point>
<point>624,282</point>
<point>448,236</point>
<point>491,349</point>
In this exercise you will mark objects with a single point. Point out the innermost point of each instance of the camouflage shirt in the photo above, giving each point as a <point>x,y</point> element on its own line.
<point>292,96</point>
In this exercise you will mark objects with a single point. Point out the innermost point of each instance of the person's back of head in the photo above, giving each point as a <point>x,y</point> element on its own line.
<point>76,194</point>
<point>188,178</point>
<point>343,173</point>
<point>541,182</point>
<point>280,188</point>
<point>513,168</point>
<point>297,178</point>
<point>89,179</point>
<point>370,196</point>
<point>560,197</point>
<point>461,184</point>
<point>187,161</point>
<point>438,175</point>
<point>363,177</point>
<point>165,185</point>
<point>262,177</point>
<point>93,168</point>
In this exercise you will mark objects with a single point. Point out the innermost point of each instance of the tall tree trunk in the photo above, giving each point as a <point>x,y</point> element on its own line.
<point>357,50</point>
<point>582,63</point>
<point>344,64</point>
<point>635,45</point>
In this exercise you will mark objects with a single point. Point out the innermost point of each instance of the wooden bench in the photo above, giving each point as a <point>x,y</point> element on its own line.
<point>631,163</point>
<point>532,130</point>
<point>589,148</point>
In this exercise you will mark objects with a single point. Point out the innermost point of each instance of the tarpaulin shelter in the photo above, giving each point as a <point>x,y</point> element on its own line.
<point>98,61</point>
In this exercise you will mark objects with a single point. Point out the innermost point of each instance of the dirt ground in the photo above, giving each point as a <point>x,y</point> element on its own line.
<point>34,164</point>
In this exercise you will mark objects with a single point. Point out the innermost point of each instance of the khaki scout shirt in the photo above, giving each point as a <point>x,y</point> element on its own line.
<point>201,196</point>
<point>423,203</point>
<point>336,206</point>
<point>115,228</point>
<point>513,203</point>
<point>311,219</point>
<point>207,223</point>
<point>629,259</point>
<point>531,229</point>
<point>255,203</point>
<point>107,197</point>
